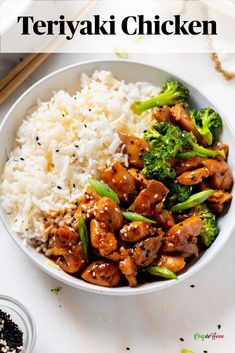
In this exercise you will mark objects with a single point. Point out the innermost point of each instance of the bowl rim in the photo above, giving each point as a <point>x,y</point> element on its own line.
<point>80,284</point>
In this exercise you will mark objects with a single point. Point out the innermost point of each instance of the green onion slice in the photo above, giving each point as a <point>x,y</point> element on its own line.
<point>193,200</point>
<point>103,189</point>
<point>132,216</point>
<point>184,350</point>
<point>82,229</point>
<point>161,272</point>
<point>121,53</point>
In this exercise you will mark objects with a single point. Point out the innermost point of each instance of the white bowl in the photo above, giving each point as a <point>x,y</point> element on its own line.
<point>68,78</point>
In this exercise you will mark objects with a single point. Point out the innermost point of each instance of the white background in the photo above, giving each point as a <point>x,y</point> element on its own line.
<point>75,321</point>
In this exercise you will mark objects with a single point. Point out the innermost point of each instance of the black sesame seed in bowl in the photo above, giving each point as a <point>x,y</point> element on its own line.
<point>17,328</point>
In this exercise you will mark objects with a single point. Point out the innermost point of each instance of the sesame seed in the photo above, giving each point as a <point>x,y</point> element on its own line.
<point>11,337</point>
<point>59,187</point>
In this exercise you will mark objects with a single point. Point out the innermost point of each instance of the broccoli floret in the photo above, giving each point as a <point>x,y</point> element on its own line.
<point>152,134</point>
<point>172,92</point>
<point>194,149</point>
<point>208,123</point>
<point>209,229</point>
<point>177,193</point>
<point>175,92</point>
<point>165,143</point>
<point>168,141</point>
<point>166,137</point>
<point>157,167</point>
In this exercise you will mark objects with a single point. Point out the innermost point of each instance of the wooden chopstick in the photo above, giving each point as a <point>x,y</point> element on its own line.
<point>15,71</point>
<point>31,62</point>
<point>20,73</point>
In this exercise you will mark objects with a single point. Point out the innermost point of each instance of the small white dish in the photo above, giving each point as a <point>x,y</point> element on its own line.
<point>68,78</point>
<point>20,315</point>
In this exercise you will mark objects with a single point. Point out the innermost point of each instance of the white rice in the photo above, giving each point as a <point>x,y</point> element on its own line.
<point>63,142</point>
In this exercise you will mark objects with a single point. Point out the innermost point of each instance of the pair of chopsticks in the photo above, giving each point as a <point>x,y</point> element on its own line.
<point>20,73</point>
<point>31,62</point>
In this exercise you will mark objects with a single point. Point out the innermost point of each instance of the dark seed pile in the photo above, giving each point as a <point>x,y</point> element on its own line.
<point>11,337</point>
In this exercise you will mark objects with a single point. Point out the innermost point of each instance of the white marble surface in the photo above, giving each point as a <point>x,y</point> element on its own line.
<point>75,321</point>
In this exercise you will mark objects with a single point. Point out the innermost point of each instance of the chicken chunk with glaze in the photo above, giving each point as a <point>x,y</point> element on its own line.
<point>122,182</point>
